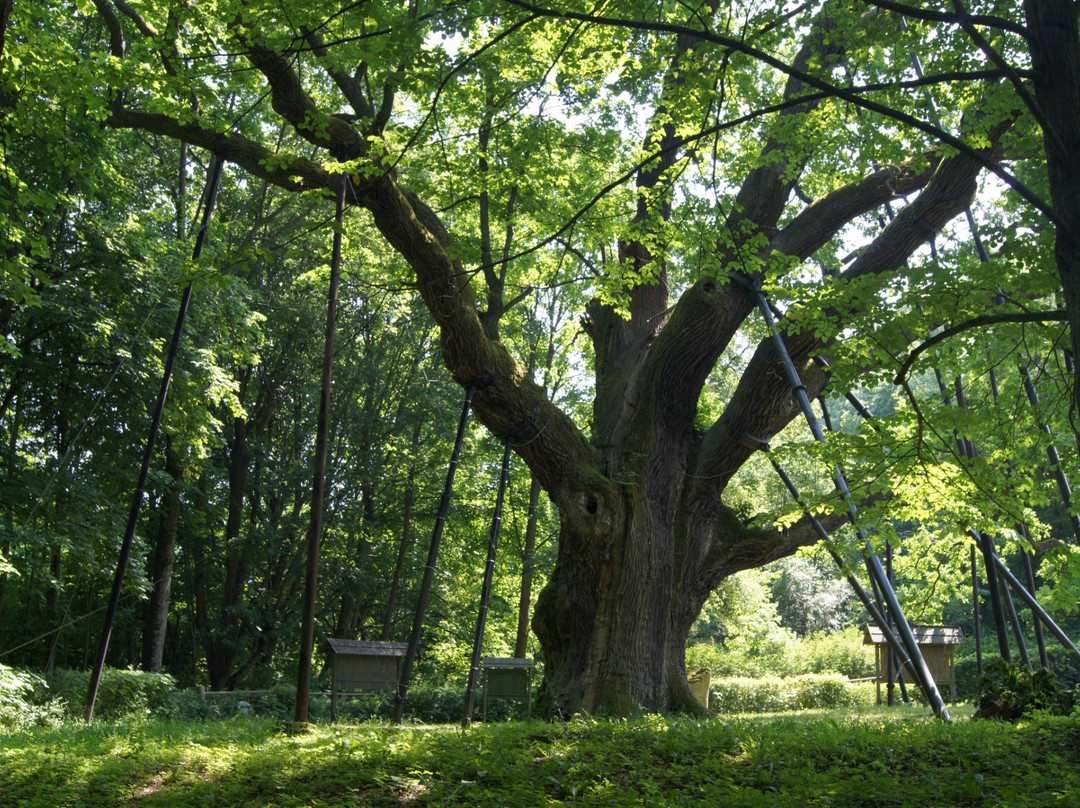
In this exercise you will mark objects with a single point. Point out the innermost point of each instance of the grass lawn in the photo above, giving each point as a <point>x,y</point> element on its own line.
<point>869,757</point>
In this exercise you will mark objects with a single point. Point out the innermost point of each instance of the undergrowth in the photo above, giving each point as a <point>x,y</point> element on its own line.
<point>838,758</point>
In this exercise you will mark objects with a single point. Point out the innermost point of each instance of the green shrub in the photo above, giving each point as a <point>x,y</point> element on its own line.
<point>774,694</point>
<point>780,653</point>
<point>1010,692</point>
<point>1063,663</point>
<point>840,652</point>
<point>18,708</point>
<point>427,704</point>
<point>121,692</point>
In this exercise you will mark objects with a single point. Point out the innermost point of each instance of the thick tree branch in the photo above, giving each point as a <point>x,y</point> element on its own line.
<point>291,101</point>
<point>291,172</point>
<point>958,18</point>
<point>756,547</point>
<point>763,402</point>
<point>351,87</point>
<point>820,221</point>
<point>112,23</point>
<point>702,328</point>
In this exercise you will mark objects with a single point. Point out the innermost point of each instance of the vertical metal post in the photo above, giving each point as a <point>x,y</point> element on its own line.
<point>432,560</point>
<point>148,454</point>
<point>890,689</point>
<point>485,592</point>
<point>1040,638</point>
<point>1014,621</point>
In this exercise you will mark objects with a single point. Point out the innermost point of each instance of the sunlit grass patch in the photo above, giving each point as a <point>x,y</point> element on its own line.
<point>868,756</point>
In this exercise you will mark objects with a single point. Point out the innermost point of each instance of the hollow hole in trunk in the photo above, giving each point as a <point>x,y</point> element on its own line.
<point>592,506</point>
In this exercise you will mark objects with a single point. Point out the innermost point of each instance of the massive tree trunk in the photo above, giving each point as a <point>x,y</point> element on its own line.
<point>645,533</point>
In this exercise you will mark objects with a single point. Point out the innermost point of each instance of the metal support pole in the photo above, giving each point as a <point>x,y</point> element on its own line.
<point>148,453</point>
<point>1036,608</point>
<point>1040,638</point>
<point>432,560</point>
<point>876,614</point>
<point>485,591</point>
<point>918,663</point>
<point>1014,621</point>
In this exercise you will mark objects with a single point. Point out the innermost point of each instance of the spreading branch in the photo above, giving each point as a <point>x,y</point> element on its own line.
<point>969,325</point>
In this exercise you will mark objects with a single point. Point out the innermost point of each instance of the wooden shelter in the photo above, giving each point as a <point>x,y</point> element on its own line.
<point>937,643</point>
<point>361,666</point>
<point>508,678</point>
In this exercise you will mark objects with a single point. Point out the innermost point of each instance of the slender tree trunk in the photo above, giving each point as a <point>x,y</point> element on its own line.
<point>407,539</point>
<point>318,495</point>
<point>52,610</point>
<point>157,617</point>
<point>521,643</point>
<point>222,639</point>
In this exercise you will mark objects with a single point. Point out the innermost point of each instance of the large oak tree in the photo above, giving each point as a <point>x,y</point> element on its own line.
<point>732,148</point>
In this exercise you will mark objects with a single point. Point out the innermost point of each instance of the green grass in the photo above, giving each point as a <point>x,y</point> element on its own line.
<point>861,757</point>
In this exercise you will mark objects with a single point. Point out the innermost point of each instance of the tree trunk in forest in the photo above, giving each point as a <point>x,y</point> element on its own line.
<point>1055,56</point>
<point>521,643</point>
<point>221,641</point>
<point>407,539</point>
<point>157,616</point>
<point>52,601</point>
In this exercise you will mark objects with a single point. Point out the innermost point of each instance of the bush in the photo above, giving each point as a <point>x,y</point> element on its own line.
<point>1010,692</point>
<point>1063,663</point>
<point>840,652</point>
<point>774,694</point>
<point>18,709</point>
<point>779,653</point>
<point>121,692</point>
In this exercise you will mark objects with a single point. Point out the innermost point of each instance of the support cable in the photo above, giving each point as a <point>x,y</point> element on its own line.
<point>151,440</point>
